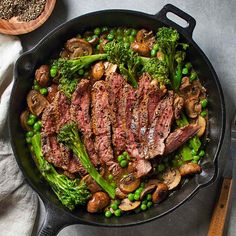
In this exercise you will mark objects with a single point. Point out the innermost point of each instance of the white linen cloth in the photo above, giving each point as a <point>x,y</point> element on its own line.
<point>18,202</point>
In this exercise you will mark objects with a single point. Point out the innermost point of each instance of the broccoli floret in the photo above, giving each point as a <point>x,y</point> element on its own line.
<point>69,192</point>
<point>69,136</point>
<point>67,86</point>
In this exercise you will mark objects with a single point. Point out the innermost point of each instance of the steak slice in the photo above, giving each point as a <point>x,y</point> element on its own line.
<point>143,167</point>
<point>59,155</point>
<point>179,137</point>
<point>80,106</point>
<point>56,114</point>
<point>101,125</point>
<point>160,127</point>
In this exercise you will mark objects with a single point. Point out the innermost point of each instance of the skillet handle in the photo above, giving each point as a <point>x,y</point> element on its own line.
<point>55,220</point>
<point>162,16</point>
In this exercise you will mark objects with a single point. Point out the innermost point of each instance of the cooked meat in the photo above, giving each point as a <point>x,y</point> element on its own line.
<point>56,114</point>
<point>80,106</point>
<point>59,155</point>
<point>160,127</point>
<point>143,167</point>
<point>179,137</point>
<point>101,125</point>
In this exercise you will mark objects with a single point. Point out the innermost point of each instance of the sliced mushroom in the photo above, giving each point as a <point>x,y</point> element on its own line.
<point>36,102</point>
<point>120,194</point>
<point>99,201</point>
<point>189,169</point>
<point>141,48</point>
<point>185,84</point>
<point>147,189</point>
<point>129,183</point>
<point>42,75</point>
<point>160,193</point>
<point>202,123</point>
<point>91,184</point>
<point>94,40</point>
<point>79,47</point>
<point>178,106</point>
<point>102,45</point>
<point>52,91</point>
<point>147,37</point>
<point>23,120</point>
<point>109,68</point>
<point>64,54</point>
<point>192,107</point>
<point>171,177</point>
<point>98,70</point>
<point>127,205</point>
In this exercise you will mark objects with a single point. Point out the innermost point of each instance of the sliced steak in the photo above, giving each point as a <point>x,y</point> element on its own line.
<point>160,127</point>
<point>101,125</point>
<point>56,114</point>
<point>143,167</point>
<point>59,155</point>
<point>80,106</point>
<point>179,137</point>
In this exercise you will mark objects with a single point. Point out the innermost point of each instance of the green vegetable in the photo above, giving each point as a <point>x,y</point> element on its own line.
<point>193,76</point>
<point>31,116</point>
<point>201,153</point>
<point>203,113</point>
<point>53,71</point>
<point>28,140</point>
<point>104,29</point>
<point>188,65</point>
<point>69,192</point>
<point>185,71</point>
<point>124,163</point>
<point>30,122</point>
<point>136,196</point>
<point>204,103</point>
<point>131,197</point>
<point>155,47</point>
<point>37,126</point>
<point>43,91</point>
<point>153,52</point>
<point>114,206</point>
<point>149,197</point>
<point>36,87</point>
<point>67,86</point>
<point>127,31</point>
<point>134,32</point>
<point>143,207</point>
<point>69,136</point>
<point>97,31</point>
<point>110,177</point>
<point>196,158</point>
<point>29,134</point>
<point>117,212</point>
<point>186,153</point>
<point>110,37</point>
<point>149,204</point>
<point>108,214</point>
<point>160,167</point>
<point>120,158</point>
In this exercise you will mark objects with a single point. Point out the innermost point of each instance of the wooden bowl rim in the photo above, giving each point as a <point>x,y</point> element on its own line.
<point>17,28</point>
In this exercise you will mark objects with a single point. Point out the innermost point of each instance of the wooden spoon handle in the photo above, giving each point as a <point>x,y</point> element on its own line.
<point>219,215</point>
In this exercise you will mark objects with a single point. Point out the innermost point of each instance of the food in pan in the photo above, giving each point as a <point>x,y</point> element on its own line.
<point>117,121</point>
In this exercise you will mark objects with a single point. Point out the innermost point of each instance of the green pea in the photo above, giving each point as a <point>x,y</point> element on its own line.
<point>203,113</point>
<point>31,116</point>
<point>110,37</point>
<point>30,122</point>
<point>160,167</point>
<point>155,47</point>
<point>127,31</point>
<point>78,36</point>
<point>35,82</point>
<point>114,206</point>
<point>81,72</point>
<point>196,158</point>
<point>53,71</point>
<point>201,153</point>
<point>117,212</point>
<point>149,204</point>
<point>110,177</point>
<point>138,191</point>
<point>193,152</point>
<point>108,214</point>
<point>194,161</point>
<point>37,126</point>
<point>104,29</point>
<point>193,76</point>
<point>131,38</point>
<point>143,207</point>
<point>113,184</point>
<point>144,202</point>
<point>188,65</point>
<point>117,202</point>
<point>124,163</point>
<point>134,32</point>
<point>43,91</point>
<point>120,158</point>
<point>185,71</point>
<point>204,103</point>
<point>36,87</point>
<point>149,197</point>
<point>28,140</point>
<point>29,134</point>
<point>119,38</point>
<point>97,31</point>
<point>131,197</point>
<point>153,52</point>
<point>136,196</point>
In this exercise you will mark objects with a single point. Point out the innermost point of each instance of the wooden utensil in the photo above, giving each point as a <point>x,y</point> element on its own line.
<point>15,27</point>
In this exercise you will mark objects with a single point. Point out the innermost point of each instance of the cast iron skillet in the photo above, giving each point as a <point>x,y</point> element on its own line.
<point>58,216</point>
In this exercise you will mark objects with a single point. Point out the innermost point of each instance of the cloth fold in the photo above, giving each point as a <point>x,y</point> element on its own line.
<point>18,202</point>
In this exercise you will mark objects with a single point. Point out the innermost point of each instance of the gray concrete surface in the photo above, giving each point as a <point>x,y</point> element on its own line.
<point>215,33</point>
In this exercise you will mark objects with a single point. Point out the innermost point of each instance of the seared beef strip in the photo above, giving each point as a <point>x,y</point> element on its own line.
<point>160,127</point>
<point>101,125</point>
<point>56,114</point>
<point>179,137</point>
<point>80,106</point>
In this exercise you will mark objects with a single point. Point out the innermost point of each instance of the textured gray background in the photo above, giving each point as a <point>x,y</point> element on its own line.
<point>215,33</point>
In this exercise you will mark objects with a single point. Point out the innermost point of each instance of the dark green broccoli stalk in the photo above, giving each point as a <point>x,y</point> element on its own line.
<point>69,192</point>
<point>179,58</point>
<point>69,136</point>
<point>127,60</point>
<point>156,68</point>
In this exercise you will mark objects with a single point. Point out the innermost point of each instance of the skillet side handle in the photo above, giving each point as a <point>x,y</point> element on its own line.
<point>55,220</point>
<point>162,16</point>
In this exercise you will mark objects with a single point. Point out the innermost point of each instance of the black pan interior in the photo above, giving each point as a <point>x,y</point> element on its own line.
<point>24,73</point>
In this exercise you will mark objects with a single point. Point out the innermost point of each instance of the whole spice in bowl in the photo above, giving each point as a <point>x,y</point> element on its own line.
<point>23,10</point>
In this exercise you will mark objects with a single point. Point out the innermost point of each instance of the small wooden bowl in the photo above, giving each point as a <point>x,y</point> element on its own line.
<point>15,27</point>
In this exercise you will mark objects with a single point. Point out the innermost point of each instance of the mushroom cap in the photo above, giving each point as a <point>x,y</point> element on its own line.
<point>171,177</point>
<point>202,123</point>
<point>189,169</point>
<point>129,183</point>
<point>127,205</point>
<point>160,193</point>
<point>98,202</point>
